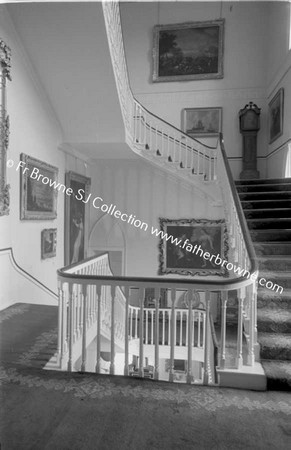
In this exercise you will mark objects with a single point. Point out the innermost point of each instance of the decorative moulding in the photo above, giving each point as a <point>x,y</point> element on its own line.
<point>5,73</point>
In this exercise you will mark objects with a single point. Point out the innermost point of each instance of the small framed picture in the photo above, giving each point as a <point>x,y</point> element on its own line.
<point>38,198</point>
<point>188,51</point>
<point>276,110</point>
<point>48,243</point>
<point>202,121</point>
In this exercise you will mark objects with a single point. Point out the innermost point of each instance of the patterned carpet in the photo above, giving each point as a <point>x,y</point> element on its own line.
<point>43,409</point>
<point>267,208</point>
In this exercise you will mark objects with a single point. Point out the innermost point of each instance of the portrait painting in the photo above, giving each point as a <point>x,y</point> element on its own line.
<point>182,254</point>
<point>276,111</point>
<point>76,218</point>
<point>38,198</point>
<point>188,51</point>
<point>202,121</point>
<point>48,243</point>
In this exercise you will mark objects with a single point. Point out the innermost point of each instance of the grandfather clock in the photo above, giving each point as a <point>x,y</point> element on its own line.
<point>249,122</point>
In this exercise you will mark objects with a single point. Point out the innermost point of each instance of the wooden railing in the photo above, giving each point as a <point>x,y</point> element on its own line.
<point>159,141</point>
<point>146,133</point>
<point>93,305</point>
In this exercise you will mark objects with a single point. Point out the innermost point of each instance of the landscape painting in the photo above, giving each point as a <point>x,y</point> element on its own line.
<point>189,51</point>
<point>38,200</point>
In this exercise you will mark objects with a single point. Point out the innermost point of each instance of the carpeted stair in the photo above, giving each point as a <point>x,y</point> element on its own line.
<point>267,208</point>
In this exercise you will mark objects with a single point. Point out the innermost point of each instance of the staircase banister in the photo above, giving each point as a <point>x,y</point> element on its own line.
<point>203,285</point>
<point>185,136</point>
<point>85,262</point>
<point>240,213</point>
<point>159,119</point>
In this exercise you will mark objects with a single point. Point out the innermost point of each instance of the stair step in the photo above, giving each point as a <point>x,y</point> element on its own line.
<point>274,320</point>
<point>269,224</point>
<point>268,213</point>
<point>264,187</point>
<point>271,235</point>
<point>282,279</point>
<point>275,346</point>
<point>265,204</point>
<point>275,263</point>
<point>279,195</point>
<point>263,181</point>
<point>278,374</point>
<point>269,299</point>
<point>272,248</point>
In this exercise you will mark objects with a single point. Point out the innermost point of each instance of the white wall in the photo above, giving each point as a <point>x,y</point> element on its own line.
<point>245,65</point>
<point>34,130</point>
<point>138,188</point>
<point>279,75</point>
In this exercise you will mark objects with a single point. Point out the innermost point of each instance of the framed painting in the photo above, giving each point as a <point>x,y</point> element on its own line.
<point>188,51</point>
<point>48,243</point>
<point>276,110</point>
<point>5,73</point>
<point>189,240</point>
<point>202,121</point>
<point>76,218</point>
<point>38,198</point>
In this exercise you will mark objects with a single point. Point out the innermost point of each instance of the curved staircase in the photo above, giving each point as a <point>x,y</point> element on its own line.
<point>267,208</point>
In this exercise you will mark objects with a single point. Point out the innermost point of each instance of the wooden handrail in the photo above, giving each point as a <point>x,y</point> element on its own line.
<point>27,274</point>
<point>241,216</point>
<point>204,285</point>
<point>171,126</point>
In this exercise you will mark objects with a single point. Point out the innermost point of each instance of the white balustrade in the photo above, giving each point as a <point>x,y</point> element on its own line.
<point>94,304</point>
<point>146,133</point>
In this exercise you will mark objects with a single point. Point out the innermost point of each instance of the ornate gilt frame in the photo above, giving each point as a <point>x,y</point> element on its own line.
<point>195,265</point>
<point>37,212</point>
<point>184,74</point>
<point>5,68</point>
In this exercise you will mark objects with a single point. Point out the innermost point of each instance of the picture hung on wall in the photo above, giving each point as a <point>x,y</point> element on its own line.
<point>197,122</point>
<point>276,111</point>
<point>188,51</point>
<point>195,237</point>
<point>76,218</point>
<point>5,74</point>
<point>48,243</point>
<point>38,198</point>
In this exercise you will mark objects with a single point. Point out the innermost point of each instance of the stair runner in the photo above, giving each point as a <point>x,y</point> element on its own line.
<point>267,208</point>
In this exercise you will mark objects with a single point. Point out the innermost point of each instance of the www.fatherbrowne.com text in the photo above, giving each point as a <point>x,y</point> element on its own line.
<point>112,210</point>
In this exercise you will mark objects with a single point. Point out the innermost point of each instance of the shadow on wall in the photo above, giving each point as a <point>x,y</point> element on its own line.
<point>107,236</point>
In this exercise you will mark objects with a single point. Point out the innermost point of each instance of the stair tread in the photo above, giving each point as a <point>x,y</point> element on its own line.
<point>274,257</point>
<point>257,244</point>
<point>274,337</point>
<point>274,314</point>
<point>263,180</point>
<point>275,274</point>
<point>270,219</point>
<point>267,209</point>
<point>286,294</point>
<point>278,373</point>
<point>271,193</point>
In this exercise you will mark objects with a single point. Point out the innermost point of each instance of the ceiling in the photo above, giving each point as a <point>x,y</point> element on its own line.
<point>67,46</point>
